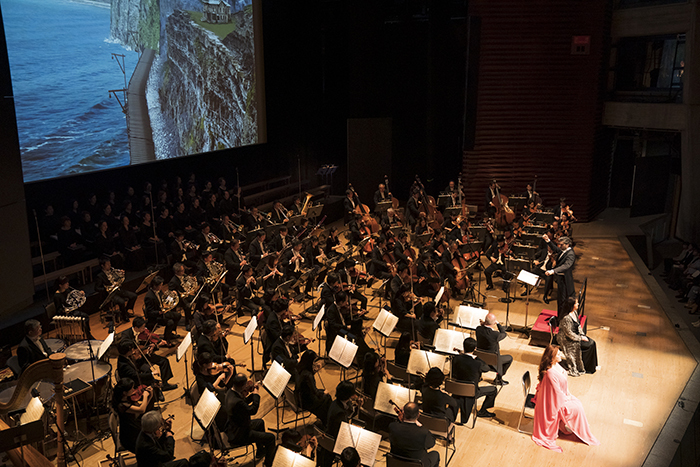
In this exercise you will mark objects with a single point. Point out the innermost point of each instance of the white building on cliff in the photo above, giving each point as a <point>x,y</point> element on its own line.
<point>216,11</point>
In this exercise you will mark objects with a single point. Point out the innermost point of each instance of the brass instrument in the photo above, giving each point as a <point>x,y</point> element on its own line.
<point>212,238</point>
<point>216,269</point>
<point>189,284</point>
<point>116,277</point>
<point>305,205</point>
<point>74,300</point>
<point>169,300</point>
<point>190,245</point>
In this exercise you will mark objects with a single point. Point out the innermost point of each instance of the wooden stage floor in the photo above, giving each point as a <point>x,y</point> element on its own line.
<point>644,368</point>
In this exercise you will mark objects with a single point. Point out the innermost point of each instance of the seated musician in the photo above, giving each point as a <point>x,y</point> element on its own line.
<point>422,226</point>
<point>400,247</point>
<point>273,327</point>
<point>177,284</point>
<point>355,227</point>
<point>257,249</point>
<point>408,438</point>
<point>350,457</point>
<point>348,280</point>
<point>377,266</point>
<point>448,225</point>
<point>246,284</point>
<point>243,401</point>
<point>272,273</point>
<point>209,374</point>
<point>33,348</point>
<point>402,352</point>
<point>295,208</point>
<point>437,402</point>
<point>155,445</point>
<point>60,301</point>
<point>374,371</point>
<point>234,260</point>
<point>332,243</point>
<point>256,220</point>
<point>286,350</point>
<point>208,275</point>
<point>139,334</point>
<point>429,321</point>
<point>380,195</point>
<point>130,365</point>
<point>203,238</point>
<point>206,311</point>
<point>315,400</point>
<point>278,215</point>
<point>402,277</point>
<point>328,289</point>
<point>447,269</point>
<point>152,304</point>
<point>403,307</point>
<point>341,409</point>
<point>468,367</point>
<point>349,205</point>
<point>104,283</point>
<point>213,340</point>
<point>488,334</point>
<point>390,219</point>
<point>429,281</point>
<point>497,255</point>
<point>130,411</point>
<point>314,256</point>
<point>280,241</point>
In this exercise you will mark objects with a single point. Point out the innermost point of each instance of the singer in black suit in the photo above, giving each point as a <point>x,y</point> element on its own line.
<point>412,441</point>
<point>467,367</point>
<point>33,347</point>
<point>563,272</point>
<point>487,339</point>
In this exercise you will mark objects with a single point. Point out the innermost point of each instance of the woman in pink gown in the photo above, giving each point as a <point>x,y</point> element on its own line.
<point>555,408</point>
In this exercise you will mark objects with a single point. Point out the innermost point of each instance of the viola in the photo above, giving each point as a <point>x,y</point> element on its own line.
<point>249,388</point>
<point>214,369</point>
<point>138,393</point>
<point>398,410</point>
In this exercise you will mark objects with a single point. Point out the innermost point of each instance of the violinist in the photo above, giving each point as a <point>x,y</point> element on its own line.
<point>429,321</point>
<point>341,409</point>
<point>402,352</point>
<point>246,285</point>
<point>213,340</point>
<point>374,371</point>
<point>130,411</point>
<point>205,312</point>
<point>468,367</point>
<point>349,205</point>
<point>497,254</point>
<point>402,306</point>
<point>413,207</point>
<point>305,445</point>
<point>408,438</point>
<point>315,400</point>
<point>377,266</point>
<point>517,230</point>
<point>273,327</point>
<point>350,278</point>
<point>437,402</point>
<point>129,366</point>
<point>208,372</point>
<point>138,332</point>
<point>155,445</point>
<point>286,351</point>
<point>152,305</point>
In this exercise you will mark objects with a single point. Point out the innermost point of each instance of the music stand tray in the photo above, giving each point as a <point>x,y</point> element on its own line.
<point>383,206</point>
<point>146,280</point>
<point>314,211</point>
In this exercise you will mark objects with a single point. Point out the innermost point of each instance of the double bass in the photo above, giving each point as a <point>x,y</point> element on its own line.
<point>504,214</point>
<point>363,210</point>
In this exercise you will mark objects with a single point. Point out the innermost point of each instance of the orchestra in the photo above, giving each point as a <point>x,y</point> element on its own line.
<point>376,261</point>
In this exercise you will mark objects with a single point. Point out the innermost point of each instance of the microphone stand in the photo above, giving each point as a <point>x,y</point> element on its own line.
<point>41,253</point>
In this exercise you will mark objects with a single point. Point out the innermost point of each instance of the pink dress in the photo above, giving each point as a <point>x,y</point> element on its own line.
<point>554,404</point>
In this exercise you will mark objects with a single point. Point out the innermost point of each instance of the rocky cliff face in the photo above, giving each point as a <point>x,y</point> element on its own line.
<point>135,23</point>
<point>207,88</point>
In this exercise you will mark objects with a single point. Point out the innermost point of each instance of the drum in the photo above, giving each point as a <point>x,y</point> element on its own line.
<point>56,345</point>
<point>80,351</point>
<point>45,391</point>
<point>83,371</point>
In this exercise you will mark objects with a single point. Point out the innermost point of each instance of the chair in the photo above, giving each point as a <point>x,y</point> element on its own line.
<point>222,440</point>
<point>463,389</point>
<point>425,342</point>
<point>491,359</point>
<point>120,453</point>
<point>528,403</point>
<point>367,408</point>
<point>291,400</point>
<point>326,443</point>
<point>399,374</point>
<point>392,460</point>
<point>443,430</point>
<point>50,309</point>
<point>13,363</point>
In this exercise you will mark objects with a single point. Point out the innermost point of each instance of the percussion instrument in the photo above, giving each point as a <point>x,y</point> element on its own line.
<point>81,350</point>
<point>83,371</point>
<point>56,345</point>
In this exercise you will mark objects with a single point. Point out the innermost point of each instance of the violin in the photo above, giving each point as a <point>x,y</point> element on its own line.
<point>298,339</point>
<point>151,340</point>
<point>214,369</point>
<point>398,410</point>
<point>250,387</point>
<point>139,391</point>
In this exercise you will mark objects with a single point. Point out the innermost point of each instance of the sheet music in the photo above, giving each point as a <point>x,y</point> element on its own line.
<point>366,442</point>
<point>319,316</point>
<point>469,317</point>
<point>276,380</point>
<point>33,412</point>
<point>207,408</point>
<point>287,458</point>
<point>184,345</point>
<point>446,340</point>
<point>399,394</point>
<point>420,361</point>
<point>528,277</point>
<point>250,329</point>
<point>385,322</point>
<point>439,294</point>
<point>343,351</point>
<point>106,344</point>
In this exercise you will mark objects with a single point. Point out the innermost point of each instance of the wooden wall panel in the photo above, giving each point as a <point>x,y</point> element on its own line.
<point>539,108</point>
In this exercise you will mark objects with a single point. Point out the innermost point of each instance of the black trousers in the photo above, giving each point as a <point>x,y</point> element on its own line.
<point>263,440</point>
<point>488,272</point>
<point>466,404</point>
<point>126,301</point>
<point>170,320</point>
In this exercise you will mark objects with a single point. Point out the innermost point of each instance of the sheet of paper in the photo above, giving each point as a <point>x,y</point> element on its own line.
<point>392,392</point>
<point>287,458</point>
<point>420,361</point>
<point>319,316</point>
<point>468,316</point>
<point>343,351</point>
<point>385,322</point>
<point>207,408</point>
<point>250,329</point>
<point>184,345</point>
<point>33,412</point>
<point>366,442</point>
<point>276,380</point>
<point>528,277</point>
<point>446,340</point>
<point>439,294</point>
<point>106,344</point>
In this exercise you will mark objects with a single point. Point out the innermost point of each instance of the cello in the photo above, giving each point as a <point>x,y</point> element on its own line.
<point>504,214</point>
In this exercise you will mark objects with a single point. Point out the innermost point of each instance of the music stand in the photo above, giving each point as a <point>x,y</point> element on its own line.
<point>364,441</point>
<point>275,381</point>
<point>146,281</point>
<point>273,229</point>
<point>205,411</point>
<point>382,207</point>
<point>21,435</point>
<point>295,220</point>
<point>248,338</point>
<point>315,326</point>
<point>453,210</point>
<point>529,279</point>
<point>109,298</point>
<point>314,211</point>
<point>506,286</point>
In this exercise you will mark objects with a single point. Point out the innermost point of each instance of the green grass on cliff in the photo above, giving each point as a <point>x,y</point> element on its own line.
<point>221,30</point>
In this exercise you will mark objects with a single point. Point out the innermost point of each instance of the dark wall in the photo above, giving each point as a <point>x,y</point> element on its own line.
<point>539,107</point>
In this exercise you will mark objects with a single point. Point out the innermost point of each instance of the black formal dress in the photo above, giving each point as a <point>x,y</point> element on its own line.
<point>311,398</point>
<point>161,362</point>
<point>439,404</point>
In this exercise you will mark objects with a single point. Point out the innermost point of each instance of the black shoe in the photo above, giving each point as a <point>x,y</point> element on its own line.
<point>524,294</point>
<point>500,381</point>
<point>485,414</point>
<point>489,287</point>
<point>545,299</point>
<point>259,454</point>
<point>161,397</point>
<point>169,387</point>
